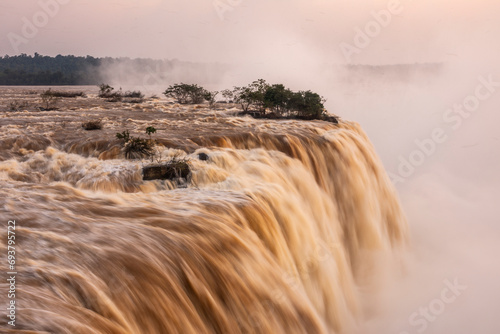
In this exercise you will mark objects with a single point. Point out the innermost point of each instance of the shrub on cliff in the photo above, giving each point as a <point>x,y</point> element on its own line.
<point>259,97</point>
<point>302,104</point>
<point>307,105</point>
<point>251,96</point>
<point>277,98</point>
<point>313,104</point>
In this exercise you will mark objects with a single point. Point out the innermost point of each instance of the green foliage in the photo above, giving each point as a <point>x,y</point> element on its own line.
<point>251,95</point>
<point>134,94</point>
<point>211,98</point>
<point>125,135</point>
<point>277,98</point>
<point>150,130</point>
<point>71,70</point>
<point>227,94</point>
<point>186,93</point>
<point>259,96</point>
<point>302,104</point>
<point>312,105</point>
<point>135,147</point>
<point>109,93</point>
<point>105,90</point>
<point>43,70</point>
<point>138,147</point>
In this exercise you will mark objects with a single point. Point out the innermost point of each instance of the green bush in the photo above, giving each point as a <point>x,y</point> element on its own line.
<point>186,93</point>
<point>302,104</point>
<point>251,96</point>
<point>259,96</point>
<point>211,98</point>
<point>256,98</point>
<point>134,94</point>
<point>278,98</point>
<point>105,90</point>
<point>150,130</point>
<point>228,95</point>
<point>135,147</point>
<point>109,93</point>
<point>312,105</point>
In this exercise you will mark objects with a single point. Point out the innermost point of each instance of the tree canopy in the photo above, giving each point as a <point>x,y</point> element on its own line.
<point>44,70</point>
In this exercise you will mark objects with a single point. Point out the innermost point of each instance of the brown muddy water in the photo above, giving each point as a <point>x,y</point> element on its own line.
<point>276,232</point>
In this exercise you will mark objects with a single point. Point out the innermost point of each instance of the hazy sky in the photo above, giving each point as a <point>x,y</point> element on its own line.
<point>243,30</point>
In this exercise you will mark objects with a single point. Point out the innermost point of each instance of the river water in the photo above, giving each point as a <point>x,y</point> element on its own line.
<point>281,230</point>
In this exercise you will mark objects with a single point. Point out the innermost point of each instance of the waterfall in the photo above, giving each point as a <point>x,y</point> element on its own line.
<point>272,235</point>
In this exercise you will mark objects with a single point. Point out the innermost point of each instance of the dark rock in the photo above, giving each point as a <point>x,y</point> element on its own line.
<point>92,125</point>
<point>331,119</point>
<point>203,156</point>
<point>174,171</point>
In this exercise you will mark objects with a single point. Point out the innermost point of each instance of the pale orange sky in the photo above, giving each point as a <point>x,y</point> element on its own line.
<point>257,30</point>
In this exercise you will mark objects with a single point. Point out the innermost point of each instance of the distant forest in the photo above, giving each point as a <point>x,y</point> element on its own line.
<point>27,70</point>
<point>42,70</point>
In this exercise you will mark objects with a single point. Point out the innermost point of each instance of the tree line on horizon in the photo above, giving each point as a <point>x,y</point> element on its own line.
<point>39,70</point>
<point>36,70</point>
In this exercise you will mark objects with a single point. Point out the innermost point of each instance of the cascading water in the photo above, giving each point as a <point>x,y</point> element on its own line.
<point>271,235</point>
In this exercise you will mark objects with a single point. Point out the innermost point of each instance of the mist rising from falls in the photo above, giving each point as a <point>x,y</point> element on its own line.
<point>274,235</point>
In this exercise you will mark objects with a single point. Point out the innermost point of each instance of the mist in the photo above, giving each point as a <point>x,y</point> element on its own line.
<point>451,191</point>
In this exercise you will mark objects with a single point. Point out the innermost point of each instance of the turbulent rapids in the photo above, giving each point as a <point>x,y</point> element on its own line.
<point>273,233</point>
